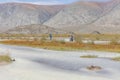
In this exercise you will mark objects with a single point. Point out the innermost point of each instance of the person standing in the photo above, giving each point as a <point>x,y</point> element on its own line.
<point>50,36</point>
<point>71,38</point>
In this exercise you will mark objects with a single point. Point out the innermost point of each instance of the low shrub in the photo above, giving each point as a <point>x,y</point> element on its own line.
<point>5,58</point>
<point>89,56</point>
<point>116,58</point>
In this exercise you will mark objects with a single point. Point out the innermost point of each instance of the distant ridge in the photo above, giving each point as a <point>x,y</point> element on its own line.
<point>77,14</point>
<point>19,14</point>
<point>87,17</point>
<point>79,17</point>
<point>34,29</point>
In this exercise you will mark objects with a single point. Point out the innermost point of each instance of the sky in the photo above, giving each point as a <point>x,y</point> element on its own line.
<point>46,2</point>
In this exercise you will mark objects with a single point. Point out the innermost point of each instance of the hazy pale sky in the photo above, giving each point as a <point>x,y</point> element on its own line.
<point>46,1</point>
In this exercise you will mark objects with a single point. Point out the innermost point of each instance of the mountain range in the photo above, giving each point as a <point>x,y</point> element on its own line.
<point>19,14</point>
<point>79,17</point>
<point>88,17</point>
<point>34,29</point>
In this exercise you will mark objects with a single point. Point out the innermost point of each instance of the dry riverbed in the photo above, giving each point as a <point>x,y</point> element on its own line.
<point>40,64</point>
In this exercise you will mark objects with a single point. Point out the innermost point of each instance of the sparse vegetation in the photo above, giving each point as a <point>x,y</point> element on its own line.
<point>43,38</point>
<point>62,42</point>
<point>57,45</point>
<point>116,58</point>
<point>89,56</point>
<point>41,41</point>
<point>5,58</point>
<point>78,38</point>
<point>103,37</point>
<point>115,42</point>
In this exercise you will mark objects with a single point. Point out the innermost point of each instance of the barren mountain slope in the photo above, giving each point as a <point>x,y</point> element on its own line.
<point>80,13</point>
<point>87,17</point>
<point>109,23</point>
<point>18,14</point>
<point>34,29</point>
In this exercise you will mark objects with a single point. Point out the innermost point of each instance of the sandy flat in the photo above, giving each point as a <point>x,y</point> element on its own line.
<point>40,64</point>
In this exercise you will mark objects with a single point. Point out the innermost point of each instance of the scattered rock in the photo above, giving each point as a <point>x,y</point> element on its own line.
<point>94,68</point>
<point>13,60</point>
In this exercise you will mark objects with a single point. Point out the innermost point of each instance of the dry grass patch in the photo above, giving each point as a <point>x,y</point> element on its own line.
<point>5,58</point>
<point>100,36</point>
<point>61,45</point>
<point>116,58</point>
<point>89,56</point>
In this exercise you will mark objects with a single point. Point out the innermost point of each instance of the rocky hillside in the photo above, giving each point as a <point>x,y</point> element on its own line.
<point>88,17</point>
<point>82,17</point>
<point>110,22</point>
<point>34,29</point>
<point>77,14</point>
<point>18,14</point>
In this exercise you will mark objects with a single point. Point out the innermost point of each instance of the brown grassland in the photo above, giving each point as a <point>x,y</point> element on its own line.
<point>82,36</point>
<point>61,45</point>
